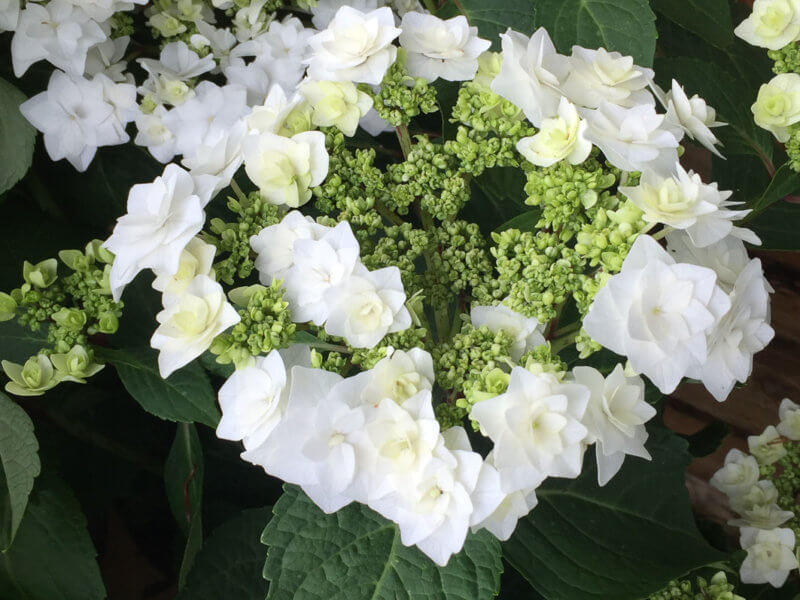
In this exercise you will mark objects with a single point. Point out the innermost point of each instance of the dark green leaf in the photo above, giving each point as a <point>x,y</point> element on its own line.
<point>784,183</point>
<point>19,466</point>
<point>623,541</point>
<point>778,227</point>
<point>18,343</point>
<point>17,137</point>
<point>210,364</point>
<point>304,337</point>
<point>743,174</point>
<point>355,554</point>
<point>714,84</point>
<point>707,440</point>
<point>498,196</point>
<point>627,26</point>
<point>493,18</point>
<point>709,19</point>
<point>52,557</point>
<point>185,396</point>
<point>183,480</point>
<point>524,222</point>
<point>231,561</point>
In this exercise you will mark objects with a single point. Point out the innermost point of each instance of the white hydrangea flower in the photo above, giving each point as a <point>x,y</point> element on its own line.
<point>777,106</point>
<point>285,169</point>
<point>219,40</point>
<point>211,111</point>
<point>122,98</point>
<point>739,473</point>
<point>323,11</point>
<point>75,117</point>
<point>526,331</point>
<point>772,24</point>
<point>253,399</point>
<point>163,216</point>
<point>220,155</point>
<point>727,257</point>
<point>743,331</point>
<point>614,418</point>
<point>58,32</point>
<point>251,20</point>
<point>436,48</point>
<point>176,65</point>
<point>153,133</point>
<point>633,139</point>
<point>657,313</point>
<point>758,507</point>
<point>770,555</point>
<point>789,414</point>
<point>108,58</point>
<point>400,377</point>
<point>536,430</point>
<point>197,258</point>
<point>559,138</point>
<point>336,103</point>
<point>598,76</point>
<point>189,323</point>
<point>767,447</point>
<point>318,265</point>
<point>319,443</point>
<point>355,47</point>
<point>529,74</point>
<point>496,511</point>
<point>271,117</point>
<point>9,14</point>
<point>683,201</point>
<point>367,305</point>
<point>103,10</point>
<point>693,116</point>
<point>274,245</point>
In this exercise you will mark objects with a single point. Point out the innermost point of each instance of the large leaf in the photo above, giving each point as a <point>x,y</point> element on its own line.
<point>18,343</point>
<point>493,18</point>
<point>185,396</point>
<point>19,466</point>
<point>355,554</point>
<point>778,226</point>
<point>716,86</point>
<point>16,137</point>
<point>709,19</point>
<point>623,541</point>
<point>52,557</point>
<point>183,481</point>
<point>231,561</point>
<point>784,183</point>
<point>497,196</point>
<point>627,26</point>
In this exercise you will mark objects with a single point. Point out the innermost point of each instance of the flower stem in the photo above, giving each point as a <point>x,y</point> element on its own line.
<point>405,139</point>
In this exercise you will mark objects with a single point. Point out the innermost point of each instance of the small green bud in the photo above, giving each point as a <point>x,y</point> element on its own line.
<point>316,359</point>
<point>241,296</point>
<point>33,378</point>
<point>96,250</point>
<point>107,322</point>
<point>8,307</point>
<point>70,318</point>
<point>40,275</point>
<point>76,365</point>
<point>76,260</point>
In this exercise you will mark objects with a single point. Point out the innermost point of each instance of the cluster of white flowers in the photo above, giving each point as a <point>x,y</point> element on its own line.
<point>699,309</point>
<point>326,284</point>
<point>770,547</point>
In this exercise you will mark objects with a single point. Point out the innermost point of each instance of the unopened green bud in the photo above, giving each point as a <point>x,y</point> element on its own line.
<point>76,260</point>
<point>8,307</point>
<point>40,275</point>
<point>70,318</point>
<point>33,378</point>
<point>107,322</point>
<point>96,250</point>
<point>241,296</point>
<point>167,25</point>
<point>316,359</point>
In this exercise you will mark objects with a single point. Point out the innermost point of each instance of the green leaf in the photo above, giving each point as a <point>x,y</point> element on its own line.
<point>183,481</point>
<point>493,18</point>
<point>19,466</point>
<point>18,343</point>
<point>707,440</point>
<point>524,222</point>
<point>623,541</point>
<point>231,561</point>
<point>17,137</point>
<point>778,226</point>
<point>53,557</point>
<point>355,554</point>
<point>784,183</point>
<point>627,26</point>
<point>497,196</point>
<point>716,86</point>
<point>709,19</point>
<point>304,337</point>
<point>185,396</point>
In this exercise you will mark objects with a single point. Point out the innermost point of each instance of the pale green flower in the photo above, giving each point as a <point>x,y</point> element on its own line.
<point>8,307</point>
<point>336,103</point>
<point>772,24</point>
<point>767,447</point>
<point>42,274</point>
<point>70,318</point>
<point>33,378</point>
<point>778,105</point>
<point>76,365</point>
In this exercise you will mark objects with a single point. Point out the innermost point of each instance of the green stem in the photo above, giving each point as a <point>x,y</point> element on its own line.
<point>663,233</point>
<point>238,191</point>
<point>559,343</point>
<point>405,139</point>
<point>387,214</point>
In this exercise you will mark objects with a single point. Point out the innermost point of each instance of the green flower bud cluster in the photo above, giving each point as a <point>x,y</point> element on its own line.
<point>333,361</point>
<point>717,588</point>
<point>400,246</point>
<point>541,270</point>
<point>449,415</point>
<point>401,96</point>
<point>458,262</point>
<point>471,351</point>
<point>605,241</point>
<point>785,474</point>
<point>787,59</point>
<point>266,324</point>
<point>413,337</point>
<point>352,187</point>
<point>569,195</point>
<point>430,175</point>
<point>793,147</point>
<point>121,25</point>
<point>491,381</point>
<point>253,214</point>
<point>542,360</point>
